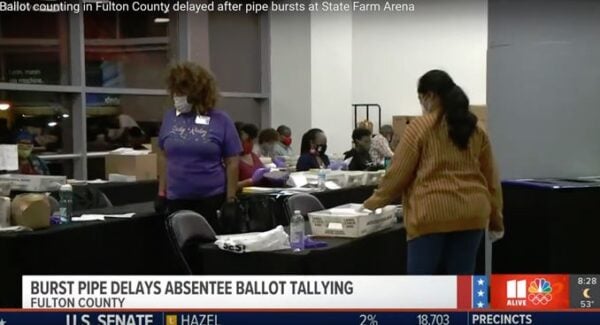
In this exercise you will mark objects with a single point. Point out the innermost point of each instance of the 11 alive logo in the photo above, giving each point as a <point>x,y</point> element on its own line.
<point>539,292</point>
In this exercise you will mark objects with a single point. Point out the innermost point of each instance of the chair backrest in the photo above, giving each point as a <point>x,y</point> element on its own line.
<point>104,200</point>
<point>187,228</point>
<point>305,203</point>
<point>88,198</point>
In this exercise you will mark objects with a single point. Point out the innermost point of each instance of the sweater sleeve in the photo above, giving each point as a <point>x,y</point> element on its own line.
<point>488,168</point>
<point>402,171</point>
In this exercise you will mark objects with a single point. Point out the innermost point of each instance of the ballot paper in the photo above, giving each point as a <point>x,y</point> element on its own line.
<point>88,218</point>
<point>15,229</point>
<point>129,152</point>
<point>97,181</point>
<point>9,157</point>
<point>332,185</point>
<point>102,217</point>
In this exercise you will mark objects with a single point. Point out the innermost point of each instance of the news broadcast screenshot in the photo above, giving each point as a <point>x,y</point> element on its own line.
<point>209,162</point>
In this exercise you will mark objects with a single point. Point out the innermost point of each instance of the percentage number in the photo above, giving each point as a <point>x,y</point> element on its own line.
<point>368,319</point>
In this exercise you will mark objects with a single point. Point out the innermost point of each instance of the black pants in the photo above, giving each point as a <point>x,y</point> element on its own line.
<point>207,207</point>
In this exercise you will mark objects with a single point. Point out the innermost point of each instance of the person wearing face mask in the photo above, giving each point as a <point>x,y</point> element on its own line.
<point>29,163</point>
<point>283,146</point>
<point>313,151</point>
<point>252,170</point>
<point>359,155</point>
<point>380,143</point>
<point>444,171</point>
<point>200,147</point>
<point>266,142</point>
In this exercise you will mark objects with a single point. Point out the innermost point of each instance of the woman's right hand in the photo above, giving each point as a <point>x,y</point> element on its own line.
<point>279,162</point>
<point>259,174</point>
<point>495,235</point>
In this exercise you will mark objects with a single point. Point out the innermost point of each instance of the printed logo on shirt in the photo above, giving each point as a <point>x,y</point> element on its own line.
<point>194,132</point>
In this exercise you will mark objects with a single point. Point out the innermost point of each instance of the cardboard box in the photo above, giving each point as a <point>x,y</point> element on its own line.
<point>482,115</point>
<point>154,148</point>
<point>344,221</point>
<point>31,210</point>
<point>34,183</point>
<point>143,167</point>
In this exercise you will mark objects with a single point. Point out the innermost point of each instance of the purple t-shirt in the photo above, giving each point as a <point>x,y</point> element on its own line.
<point>195,152</point>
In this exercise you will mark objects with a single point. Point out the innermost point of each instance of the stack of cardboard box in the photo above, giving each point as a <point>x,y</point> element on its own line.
<point>401,122</point>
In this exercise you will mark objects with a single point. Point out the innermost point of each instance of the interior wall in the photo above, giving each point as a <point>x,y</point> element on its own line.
<point>331,79</point>
<point>391,51</point>
<point>290,72</point>
<point>543,78</point>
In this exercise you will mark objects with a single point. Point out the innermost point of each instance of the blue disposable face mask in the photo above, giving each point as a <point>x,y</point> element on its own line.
<point>181,104</point>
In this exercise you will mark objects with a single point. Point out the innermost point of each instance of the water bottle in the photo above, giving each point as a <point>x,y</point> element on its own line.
<point>297,231</point>
<point>387,162</point>
<point>66,203</point>
<point>322,179</point>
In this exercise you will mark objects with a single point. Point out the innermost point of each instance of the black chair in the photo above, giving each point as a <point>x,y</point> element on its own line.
<point>303,202</point>
<point>187,229</point>
<point>104,200</point>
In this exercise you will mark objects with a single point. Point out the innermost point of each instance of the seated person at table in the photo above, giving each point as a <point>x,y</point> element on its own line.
<point>252,170</point>
<point>360,158</point>
<point>282,147</point>
<point>136,138</point>
<point>29,163</point>
<point>267,139</point>
<point>312,151</point>
<point>380,143</point>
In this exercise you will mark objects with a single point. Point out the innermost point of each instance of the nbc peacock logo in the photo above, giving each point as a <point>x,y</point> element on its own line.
<point>540,291</point>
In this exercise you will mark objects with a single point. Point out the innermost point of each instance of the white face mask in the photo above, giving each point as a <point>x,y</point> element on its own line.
<point>426,105</point>
<point>181,104</point>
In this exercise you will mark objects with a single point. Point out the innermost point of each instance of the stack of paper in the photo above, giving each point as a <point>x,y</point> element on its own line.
<point>9,157</point>
<point>101,217</point>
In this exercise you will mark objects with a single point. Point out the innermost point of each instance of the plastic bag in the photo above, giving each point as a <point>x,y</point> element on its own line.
<point>272,240</point>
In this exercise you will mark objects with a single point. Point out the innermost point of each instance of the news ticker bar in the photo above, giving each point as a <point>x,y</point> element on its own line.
<point>329,318</point>
<point>501,292</point>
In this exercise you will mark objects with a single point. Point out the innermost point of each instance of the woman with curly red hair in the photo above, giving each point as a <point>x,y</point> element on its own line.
<point>200,146</point>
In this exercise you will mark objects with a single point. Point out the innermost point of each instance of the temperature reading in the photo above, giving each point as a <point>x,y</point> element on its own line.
<point>586,303</point>
<point>368,319</point>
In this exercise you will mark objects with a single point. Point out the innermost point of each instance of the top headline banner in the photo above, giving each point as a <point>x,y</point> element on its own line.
<point>240,292</point>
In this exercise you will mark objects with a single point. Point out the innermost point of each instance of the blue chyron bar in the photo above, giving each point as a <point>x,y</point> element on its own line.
<point>329,318</point>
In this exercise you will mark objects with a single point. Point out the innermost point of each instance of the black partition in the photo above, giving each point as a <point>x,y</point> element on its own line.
<point>552,226</point>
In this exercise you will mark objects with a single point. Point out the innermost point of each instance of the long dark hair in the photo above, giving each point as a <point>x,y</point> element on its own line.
<point>455,105</point>
<point>307,138</point>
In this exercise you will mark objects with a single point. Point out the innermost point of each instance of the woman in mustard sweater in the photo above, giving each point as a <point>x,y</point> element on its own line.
<point>444,171</point>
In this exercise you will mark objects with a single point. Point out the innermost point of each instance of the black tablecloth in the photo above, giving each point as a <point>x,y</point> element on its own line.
<point>122,193</point>
<point>329,199</point>
<point>381,253</point>
<point>118,246</point>
<point>128,193</point>
<point>138,245</point>
<point>548,230</point>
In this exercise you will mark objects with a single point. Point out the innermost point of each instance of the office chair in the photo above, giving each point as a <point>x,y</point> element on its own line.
<point>186,230</point>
